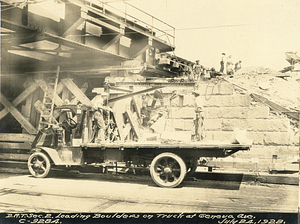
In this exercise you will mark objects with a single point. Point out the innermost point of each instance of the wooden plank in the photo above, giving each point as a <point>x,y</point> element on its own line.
<point>14,157</point>
<point>59,88</point>
<point>26,109</point>
<point>19,117</point>
<point>15,145</point>
<point>118,115</point>
<point>120,89</point>
<point>12,165</point>
<point>83,89</point>
<point>137,109</point>
<point>133,94</point>
<point>11,137</point>
<point>30,89</point>
<point>34,114</point>
<point>126,130</point>
<point>134,123</point>
<point>76,92</point>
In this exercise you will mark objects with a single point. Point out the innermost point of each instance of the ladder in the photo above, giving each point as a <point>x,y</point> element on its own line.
<point>46,116</point>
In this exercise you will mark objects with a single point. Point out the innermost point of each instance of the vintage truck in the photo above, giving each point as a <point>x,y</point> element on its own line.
<point>169,163</point>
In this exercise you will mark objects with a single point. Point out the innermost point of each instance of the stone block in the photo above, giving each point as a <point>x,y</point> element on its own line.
<point>180,124</point>
<point>224,112</point>
<point>224,136</point>
<point>257,137</point>
<point>275,125</point>
<point>236,100</point>
<point>237,112</point>
<point>182,113</point>
<point>213,124</point>
<point>215,89</point>
<point>276,138</point>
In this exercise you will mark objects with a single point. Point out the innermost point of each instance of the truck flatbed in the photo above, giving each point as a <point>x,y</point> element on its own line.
<point>154,144</point>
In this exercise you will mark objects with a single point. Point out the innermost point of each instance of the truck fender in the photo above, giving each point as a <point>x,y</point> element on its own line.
<point>51,153</point>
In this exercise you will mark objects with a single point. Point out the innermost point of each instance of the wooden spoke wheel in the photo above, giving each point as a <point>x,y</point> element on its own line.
<point>167,170</point>
<point>191,165</point>
<point>39,165</point>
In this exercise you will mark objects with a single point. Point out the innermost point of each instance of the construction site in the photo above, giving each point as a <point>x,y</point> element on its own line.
<point>55,67</point>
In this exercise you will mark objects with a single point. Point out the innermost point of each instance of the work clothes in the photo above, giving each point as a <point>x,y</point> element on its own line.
<point>98,126</point>
<point>223,63</point>
<point>199,119</point>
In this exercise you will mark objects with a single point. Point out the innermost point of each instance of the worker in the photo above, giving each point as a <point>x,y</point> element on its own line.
<point>229,65</point>
<point>223,63</point>
<point>197,68</point>
<point>238,66</point>
<point>158,95</point>
<point>190,72</point>
<point>199,117</point>
<point>98,121</point>
<point>145,111</point>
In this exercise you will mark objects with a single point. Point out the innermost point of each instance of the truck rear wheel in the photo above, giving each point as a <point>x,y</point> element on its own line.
<point>167,170</point>
<point>39,165</point>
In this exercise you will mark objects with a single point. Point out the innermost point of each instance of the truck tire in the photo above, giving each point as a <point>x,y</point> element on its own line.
<point>39,164</point>
<point>167,170</point>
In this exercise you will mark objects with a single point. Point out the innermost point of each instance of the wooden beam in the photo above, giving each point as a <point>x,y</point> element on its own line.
<point>120,89</point>
<point>20,98</point>
<point>76,92</point>
<point>15,145</point>
<point>118,111</point>
<point>133,122</point>
<point>137,109</point>
<point>127,130</point>
<point>133,94</point>
<point>19,117</point>
<point>83,89</point>
<point>11,137</point>
<point>12,156</point>
<point>26,109</point>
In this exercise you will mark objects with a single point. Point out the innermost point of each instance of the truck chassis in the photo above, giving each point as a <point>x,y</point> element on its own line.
<point>169,164</point>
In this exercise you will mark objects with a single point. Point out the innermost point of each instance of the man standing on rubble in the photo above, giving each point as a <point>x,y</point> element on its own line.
<point>197,70</point>
<point>223,63</point>
<point>199,117</point>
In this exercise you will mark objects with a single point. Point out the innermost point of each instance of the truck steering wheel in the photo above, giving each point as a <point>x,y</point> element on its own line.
<point>71,123</point>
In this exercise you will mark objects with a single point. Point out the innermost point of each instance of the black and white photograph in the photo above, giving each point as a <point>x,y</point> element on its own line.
<point>150,111</point>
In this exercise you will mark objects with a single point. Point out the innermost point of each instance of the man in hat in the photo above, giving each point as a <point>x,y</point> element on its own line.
<point>199,117</point>
<point>198,71</point>
<point>223,63</point>
<point>98,118</point>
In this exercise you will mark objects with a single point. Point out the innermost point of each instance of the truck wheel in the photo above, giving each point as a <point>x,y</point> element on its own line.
<point>39,165</point>
<point>167,170</point>
<point>191,165</point>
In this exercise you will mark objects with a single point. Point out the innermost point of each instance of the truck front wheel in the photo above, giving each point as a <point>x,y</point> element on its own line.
<point>167,170</point>
<point>39,165</point>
